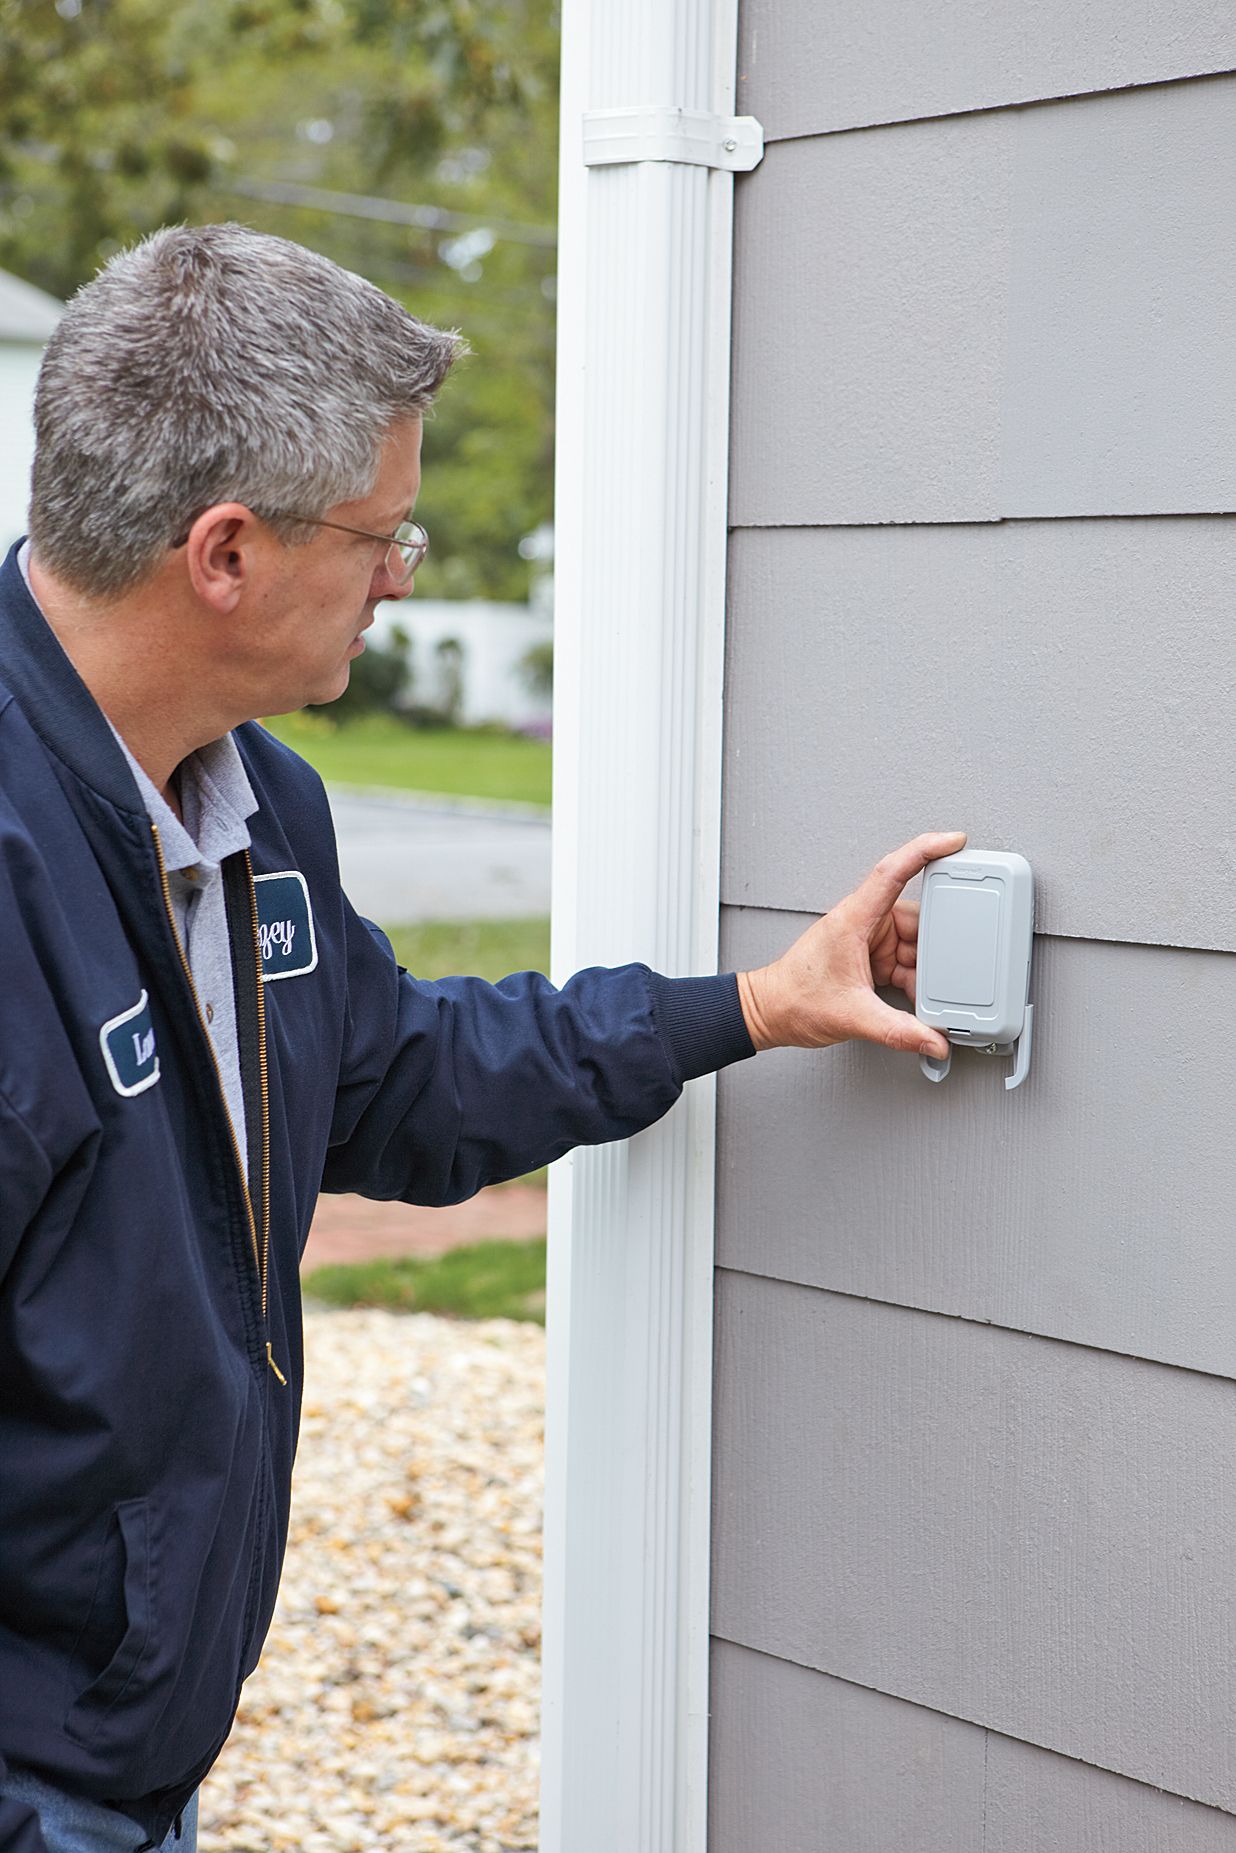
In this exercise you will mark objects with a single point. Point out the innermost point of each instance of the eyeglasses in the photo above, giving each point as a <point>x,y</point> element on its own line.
<point>405,548</point>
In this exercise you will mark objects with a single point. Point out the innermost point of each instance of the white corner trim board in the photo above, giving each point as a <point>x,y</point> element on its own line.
<point>640,531</point>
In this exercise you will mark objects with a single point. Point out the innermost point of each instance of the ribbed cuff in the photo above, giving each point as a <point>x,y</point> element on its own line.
<point>701,1021</point>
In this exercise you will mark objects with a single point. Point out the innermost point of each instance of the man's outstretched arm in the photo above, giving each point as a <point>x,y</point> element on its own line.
<point>450,1085</point>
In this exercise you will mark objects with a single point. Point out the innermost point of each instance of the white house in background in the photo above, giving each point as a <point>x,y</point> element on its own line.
<point>493,640</point>
<point>27,318</point>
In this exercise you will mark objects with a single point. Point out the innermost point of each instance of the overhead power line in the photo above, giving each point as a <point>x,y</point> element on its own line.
<point>391,211</point>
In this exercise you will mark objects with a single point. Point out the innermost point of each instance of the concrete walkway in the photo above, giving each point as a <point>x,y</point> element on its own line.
<point>407,858</point>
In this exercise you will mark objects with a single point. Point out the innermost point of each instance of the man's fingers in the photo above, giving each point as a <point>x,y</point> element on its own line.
<point>874,897</point>
<point>872,1020</point>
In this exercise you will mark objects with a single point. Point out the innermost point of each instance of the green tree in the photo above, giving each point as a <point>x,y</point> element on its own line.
<point>120,115</point>
<point>97,137</point>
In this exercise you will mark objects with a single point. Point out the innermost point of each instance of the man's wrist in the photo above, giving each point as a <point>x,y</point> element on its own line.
<point>750,989</point>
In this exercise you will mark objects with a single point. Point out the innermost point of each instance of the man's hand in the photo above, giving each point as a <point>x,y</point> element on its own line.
<point>823,989</point>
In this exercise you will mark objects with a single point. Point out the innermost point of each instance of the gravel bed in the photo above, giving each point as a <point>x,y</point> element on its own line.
<point>396,1705</point>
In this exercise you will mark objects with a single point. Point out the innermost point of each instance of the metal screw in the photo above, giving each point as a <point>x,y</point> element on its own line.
<point>730,145</point>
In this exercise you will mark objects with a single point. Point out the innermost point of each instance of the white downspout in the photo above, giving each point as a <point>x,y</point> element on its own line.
<point>640,541</point>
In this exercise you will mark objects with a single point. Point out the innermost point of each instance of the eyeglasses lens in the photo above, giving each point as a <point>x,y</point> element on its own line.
<point>411,546</point>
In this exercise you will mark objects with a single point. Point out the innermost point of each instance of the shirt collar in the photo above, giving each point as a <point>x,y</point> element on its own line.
<point>216,797</point>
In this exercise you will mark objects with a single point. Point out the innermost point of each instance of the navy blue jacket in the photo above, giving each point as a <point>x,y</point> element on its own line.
<point>150,1332</point>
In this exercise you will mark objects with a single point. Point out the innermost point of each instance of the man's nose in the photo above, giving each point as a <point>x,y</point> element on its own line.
<point>386,584</point>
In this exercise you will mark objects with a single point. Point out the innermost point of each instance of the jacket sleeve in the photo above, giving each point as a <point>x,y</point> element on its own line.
<point>447,1086</point>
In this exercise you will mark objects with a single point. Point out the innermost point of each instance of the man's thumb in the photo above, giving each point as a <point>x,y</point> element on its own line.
<point>875,1021</point>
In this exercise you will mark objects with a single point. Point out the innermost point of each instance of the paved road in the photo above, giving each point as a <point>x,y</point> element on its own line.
<point>405,860</point>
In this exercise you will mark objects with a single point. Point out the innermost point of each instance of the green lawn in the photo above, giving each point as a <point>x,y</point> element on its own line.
<point>489,1280</point>
<point>481,948</point>
<point>375,749</point>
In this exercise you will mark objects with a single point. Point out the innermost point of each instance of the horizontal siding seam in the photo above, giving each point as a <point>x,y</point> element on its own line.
<point>983,1325</point>
<point>977,521</point>
<point>996,109</point>
<point>1069,939</point>
<point>1029,1743</point>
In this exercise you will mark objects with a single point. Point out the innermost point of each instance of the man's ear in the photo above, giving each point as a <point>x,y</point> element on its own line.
<point>221,554</point>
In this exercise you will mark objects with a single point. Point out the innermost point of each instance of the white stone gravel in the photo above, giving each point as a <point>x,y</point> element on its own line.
<point>396,1705</point>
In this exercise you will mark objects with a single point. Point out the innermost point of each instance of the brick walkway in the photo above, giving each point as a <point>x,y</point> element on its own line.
<point>355,1229</point>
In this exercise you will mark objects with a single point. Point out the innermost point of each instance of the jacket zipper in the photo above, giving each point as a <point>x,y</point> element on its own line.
<point>263,1086</point>
<point>261,1254</point>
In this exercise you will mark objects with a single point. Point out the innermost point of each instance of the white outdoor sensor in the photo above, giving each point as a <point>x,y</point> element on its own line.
<point>975,941</point>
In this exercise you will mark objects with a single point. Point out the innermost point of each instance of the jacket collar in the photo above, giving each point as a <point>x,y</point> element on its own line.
<point>54,698</point>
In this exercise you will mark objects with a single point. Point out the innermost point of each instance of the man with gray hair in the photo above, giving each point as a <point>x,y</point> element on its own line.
<point>228,457</point>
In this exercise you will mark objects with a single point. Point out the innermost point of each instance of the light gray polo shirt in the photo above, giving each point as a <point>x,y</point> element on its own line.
<point>216,799</point>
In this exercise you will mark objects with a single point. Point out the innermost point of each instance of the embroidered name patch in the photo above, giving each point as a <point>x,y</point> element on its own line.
<point>128,1045</point>
<point>285,925</point>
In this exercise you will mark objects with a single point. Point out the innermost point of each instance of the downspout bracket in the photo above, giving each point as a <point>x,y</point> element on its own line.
<point>690,136</point>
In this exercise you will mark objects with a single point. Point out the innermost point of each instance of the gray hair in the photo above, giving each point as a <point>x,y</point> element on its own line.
<point>215,364</point>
